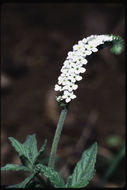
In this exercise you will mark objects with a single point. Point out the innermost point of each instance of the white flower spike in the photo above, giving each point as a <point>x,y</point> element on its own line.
<point>76,60</point>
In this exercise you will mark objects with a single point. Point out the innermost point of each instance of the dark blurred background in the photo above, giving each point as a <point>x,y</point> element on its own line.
<point>35,40</point>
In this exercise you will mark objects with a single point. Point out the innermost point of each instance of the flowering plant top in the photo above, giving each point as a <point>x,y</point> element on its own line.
<point>76,60</point>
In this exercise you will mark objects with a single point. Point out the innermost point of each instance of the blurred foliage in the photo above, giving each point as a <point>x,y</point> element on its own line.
<point>114,140</point>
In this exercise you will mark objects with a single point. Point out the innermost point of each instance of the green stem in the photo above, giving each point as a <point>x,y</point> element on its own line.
<point>113,165</point>
<point>57,137</point>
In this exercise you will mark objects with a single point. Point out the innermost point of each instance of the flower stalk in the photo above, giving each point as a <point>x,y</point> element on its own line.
<point>57,136</point>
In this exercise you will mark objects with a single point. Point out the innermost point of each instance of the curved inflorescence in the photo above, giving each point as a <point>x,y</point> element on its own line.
<point>74,65</point>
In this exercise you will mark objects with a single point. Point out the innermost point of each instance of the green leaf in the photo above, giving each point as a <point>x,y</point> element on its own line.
<point>14,167</point>
<point>25,183</point>
<point>69,182</point>
<point>84,170</point>
<point>27,151</point>
<point>18,146</point>
<point>22,152</point>
<point>25,161</point>
<point>30,146</point>
<point>39,154</point>
<point>52,175</point>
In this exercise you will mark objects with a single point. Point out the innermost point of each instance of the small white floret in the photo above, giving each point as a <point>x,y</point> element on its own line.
<point>68,96</point>
<point>57,87</point>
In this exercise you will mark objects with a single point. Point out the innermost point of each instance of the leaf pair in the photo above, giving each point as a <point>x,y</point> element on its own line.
<point>29,157</point>
<point>83,172</point>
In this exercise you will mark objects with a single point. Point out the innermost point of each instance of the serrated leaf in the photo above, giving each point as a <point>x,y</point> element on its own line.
<point>53,176</point>
<point>14,167</point>
<point>18,146</point>
<point>23,184</point>
<point>84,170</point>
<point>39,154</point>
<point>30,146</point>
<point>22,152</point>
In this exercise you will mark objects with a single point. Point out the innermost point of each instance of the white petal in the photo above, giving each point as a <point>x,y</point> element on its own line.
<point>72,78</point>
<point>73,96</point>
<point>77,71</point>
<point>79,53</point>
<point>75,58</point>
<point>82,70</point>
<point>70,53</point>
<point>84,40</point>
<point>57,87</point>
<point>75,47</point>
<point>88,52</point>
<point>65,92</point>
<point>59,82</point>
<point>84,61</point>
<point>78,78</point>
<point>68,100</point>
<point>94,49</point>
<point>80,43</point>
<point>75,86</point>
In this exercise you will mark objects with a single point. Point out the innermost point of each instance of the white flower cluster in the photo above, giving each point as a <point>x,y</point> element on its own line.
<point>74,64</point>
